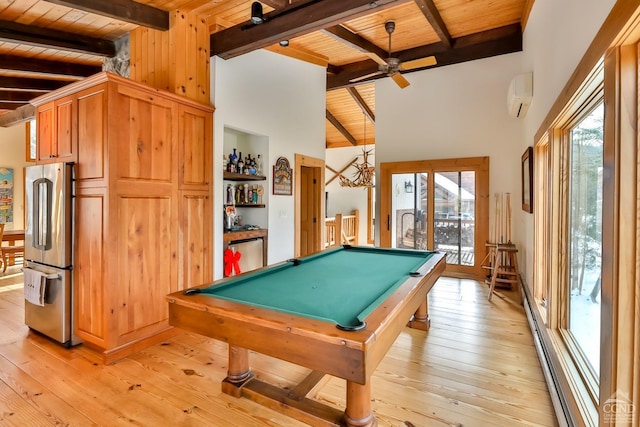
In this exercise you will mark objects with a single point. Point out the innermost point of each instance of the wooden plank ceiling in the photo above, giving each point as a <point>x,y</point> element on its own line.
<point>47,44</point>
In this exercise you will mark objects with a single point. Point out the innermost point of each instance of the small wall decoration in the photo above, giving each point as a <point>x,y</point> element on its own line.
<point>6,195</point>
<point>527,180</point>
<point>282,177</point>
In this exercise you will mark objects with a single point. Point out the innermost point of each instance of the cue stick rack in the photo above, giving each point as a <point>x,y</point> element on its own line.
<point>501,258</point>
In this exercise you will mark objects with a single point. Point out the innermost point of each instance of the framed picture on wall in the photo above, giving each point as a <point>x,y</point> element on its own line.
<point>527,180</point>
<point>282,177</point>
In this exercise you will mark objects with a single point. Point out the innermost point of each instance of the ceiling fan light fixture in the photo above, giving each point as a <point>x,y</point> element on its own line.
<point>256,13</point>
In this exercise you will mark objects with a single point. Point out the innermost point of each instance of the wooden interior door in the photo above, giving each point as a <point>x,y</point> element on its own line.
<point>309,205</point>
<point>307,212</point>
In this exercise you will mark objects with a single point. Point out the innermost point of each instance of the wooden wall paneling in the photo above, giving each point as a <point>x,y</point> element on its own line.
<point>92,134</point>
<point>89,266</point>
<point>166,59</point>
<point>145,147</point>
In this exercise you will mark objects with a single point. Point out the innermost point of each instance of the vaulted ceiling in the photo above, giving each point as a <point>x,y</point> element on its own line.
<point>47,44</point>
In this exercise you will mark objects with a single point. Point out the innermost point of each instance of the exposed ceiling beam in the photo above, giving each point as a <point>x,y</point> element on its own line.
<point>18,96</point>
<point>11,105</point>
<point>339,173</point>
<point>19,115</point>
<point>276,4</point>
<point>485,44</point>
<point>362,104</point>
<point>341,128</point>
<point>122,10</point>
<point>354,41</point>
<point>30,84</point>
<point>430,11</point>
<point>294,20</point>
<point>40,66</point>
<point>46,38</point>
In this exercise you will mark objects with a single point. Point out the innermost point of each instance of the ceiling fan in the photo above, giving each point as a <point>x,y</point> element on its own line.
<point>392,66</point>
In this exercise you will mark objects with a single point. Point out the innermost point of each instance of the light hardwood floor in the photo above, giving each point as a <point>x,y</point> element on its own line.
<point>476,367</point>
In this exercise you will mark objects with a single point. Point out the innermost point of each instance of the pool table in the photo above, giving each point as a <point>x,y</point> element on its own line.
<point>336,312</point>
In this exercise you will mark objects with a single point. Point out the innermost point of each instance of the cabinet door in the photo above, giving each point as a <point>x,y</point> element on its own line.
<point>65,134</point>
<point>144,145</point>
<point>45,127</point>
<point>89,267</point>
<point>195,239</point>
<point>92,134</point>
<point>146,263</point>
<point>195,147</point>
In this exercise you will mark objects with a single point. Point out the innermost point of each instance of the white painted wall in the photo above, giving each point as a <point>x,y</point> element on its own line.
<point>12,155</point>
<point>556,37</point>
<point>282,99</point>
<point>455,111</point>
<point>344,200</point>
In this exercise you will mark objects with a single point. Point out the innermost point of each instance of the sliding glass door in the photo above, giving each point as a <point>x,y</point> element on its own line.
<point>432,205</point>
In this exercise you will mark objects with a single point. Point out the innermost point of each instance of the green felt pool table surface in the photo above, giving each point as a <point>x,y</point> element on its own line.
<point>341,285</point>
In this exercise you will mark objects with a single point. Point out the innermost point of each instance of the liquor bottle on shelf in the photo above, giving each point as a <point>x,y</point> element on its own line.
<point>240,167</point>
<point>259,165</point>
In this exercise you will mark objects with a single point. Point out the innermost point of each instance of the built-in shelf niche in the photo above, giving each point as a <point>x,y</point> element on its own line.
<point>248,143</point>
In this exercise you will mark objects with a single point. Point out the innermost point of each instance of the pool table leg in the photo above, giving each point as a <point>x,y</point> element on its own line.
<point>420,319</point>
<point>358,412</point>
<point>238,373</point>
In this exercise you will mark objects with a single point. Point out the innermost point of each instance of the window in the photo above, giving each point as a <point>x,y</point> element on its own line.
<point>585,236</point>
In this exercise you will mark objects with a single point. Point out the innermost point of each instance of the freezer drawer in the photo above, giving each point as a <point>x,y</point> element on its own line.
<point>54,319</point>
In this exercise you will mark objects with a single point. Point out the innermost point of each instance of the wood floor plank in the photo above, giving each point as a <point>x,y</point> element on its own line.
<point>476,366</point>
<point>42,400</point>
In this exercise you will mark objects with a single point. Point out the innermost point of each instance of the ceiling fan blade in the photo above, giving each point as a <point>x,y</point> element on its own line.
<point>376,58</point>
<point>400,80</point>
<point>418,63</point>
<point>366,76</point>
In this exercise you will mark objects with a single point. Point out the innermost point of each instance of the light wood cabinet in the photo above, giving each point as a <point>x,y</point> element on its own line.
<point>143,209</point>
<point>56,133</point>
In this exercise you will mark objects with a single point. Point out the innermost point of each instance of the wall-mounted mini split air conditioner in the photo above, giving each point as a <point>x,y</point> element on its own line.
<point>520,95</point>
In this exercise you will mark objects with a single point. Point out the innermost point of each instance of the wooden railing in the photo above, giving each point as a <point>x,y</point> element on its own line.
<point>341,229</point>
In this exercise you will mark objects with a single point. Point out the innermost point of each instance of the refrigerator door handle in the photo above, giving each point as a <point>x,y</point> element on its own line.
<point>41,209</point>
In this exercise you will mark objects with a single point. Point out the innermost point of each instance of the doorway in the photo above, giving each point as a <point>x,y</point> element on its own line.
<point>438,205</point>
<point>309,205</point>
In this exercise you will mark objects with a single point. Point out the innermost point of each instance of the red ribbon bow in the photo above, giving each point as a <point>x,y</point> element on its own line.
<point>231,259</point>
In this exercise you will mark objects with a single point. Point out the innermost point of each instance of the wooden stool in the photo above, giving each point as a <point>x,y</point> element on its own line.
<point>505,268</point>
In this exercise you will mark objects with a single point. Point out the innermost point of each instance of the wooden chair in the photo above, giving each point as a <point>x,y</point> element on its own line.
<point>8,253</point>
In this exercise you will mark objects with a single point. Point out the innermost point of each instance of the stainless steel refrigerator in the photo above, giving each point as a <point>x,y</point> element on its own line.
<point>48,250</point>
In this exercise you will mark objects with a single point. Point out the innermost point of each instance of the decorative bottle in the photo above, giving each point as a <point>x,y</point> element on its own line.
<point>229,195</point>
<point>259,165</point>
